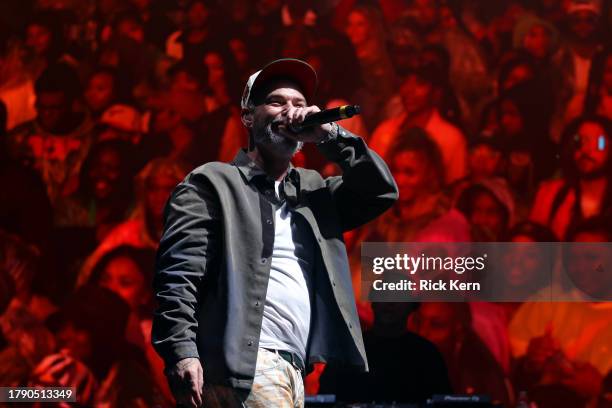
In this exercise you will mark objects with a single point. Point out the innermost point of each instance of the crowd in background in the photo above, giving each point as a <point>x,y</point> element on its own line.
<point>494,117</point>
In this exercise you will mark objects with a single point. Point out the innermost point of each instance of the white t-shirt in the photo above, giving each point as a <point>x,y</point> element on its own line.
<point>286,317</point>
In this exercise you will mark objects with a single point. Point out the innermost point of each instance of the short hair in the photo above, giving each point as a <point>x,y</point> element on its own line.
<point>415,139</point>
<point>59,77</point>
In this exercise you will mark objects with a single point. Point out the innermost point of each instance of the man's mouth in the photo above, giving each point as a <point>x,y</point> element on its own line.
<point>276,123</point>
<point>274,126</point>
<point>278,127</point>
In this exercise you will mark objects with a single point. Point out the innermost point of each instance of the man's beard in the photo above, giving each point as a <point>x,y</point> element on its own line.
<point>267,137</point>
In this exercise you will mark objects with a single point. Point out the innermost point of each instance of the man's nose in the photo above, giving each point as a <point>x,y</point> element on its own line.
<point>288,105</point>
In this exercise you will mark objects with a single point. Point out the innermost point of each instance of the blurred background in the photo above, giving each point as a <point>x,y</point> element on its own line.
<point>494,117</point>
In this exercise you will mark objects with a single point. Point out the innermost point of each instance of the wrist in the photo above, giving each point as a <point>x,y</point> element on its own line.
<point>332,134</point>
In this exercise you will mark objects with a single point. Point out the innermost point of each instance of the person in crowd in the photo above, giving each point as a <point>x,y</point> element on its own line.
<point>102,199</point>
<point>44,42</point>
<point>366,31</point>
<point>420,92</point>
<point>221,67</point>
<point>128,272</point>
<point>188,92</point>
<point>537,37</point>
<point>222,120</point>
<point>524,121</point>
<point>527,276</point>
<point>422,213</point>
<point>562,347</point>
<point>197,36</point>
<point>57,141</point>
<point>584,189</point>
<point>486,158</point>
<point>92,354</point>
<point>489,207</point>
<point>472,369</point>
<point>143,229</point>
<point>434,22</point>
<point>105,87</point>
<point>127,50</point>
<point>513,71</point>
<point>583,39</point>
<point>190,96</point>
<point>530,267</point>
<point>391,348</point>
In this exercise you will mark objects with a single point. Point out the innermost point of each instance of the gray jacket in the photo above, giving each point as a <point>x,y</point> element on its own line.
<point>213,261</point>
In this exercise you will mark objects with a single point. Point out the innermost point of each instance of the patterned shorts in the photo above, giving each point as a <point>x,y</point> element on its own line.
<point>277,383</point>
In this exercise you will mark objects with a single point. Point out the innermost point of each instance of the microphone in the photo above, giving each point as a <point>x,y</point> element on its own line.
<point>327,116</point>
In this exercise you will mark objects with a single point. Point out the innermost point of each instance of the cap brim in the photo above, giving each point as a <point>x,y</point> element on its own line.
<point>289,68</point>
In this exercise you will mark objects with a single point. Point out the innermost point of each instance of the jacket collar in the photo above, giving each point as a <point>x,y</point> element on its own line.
<point>290,185</point>
<point>247,166</point>
<point>250,169</point>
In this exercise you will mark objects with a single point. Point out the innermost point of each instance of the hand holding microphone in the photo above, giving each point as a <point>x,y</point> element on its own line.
<point>310,124</point>
<point>327,116</point>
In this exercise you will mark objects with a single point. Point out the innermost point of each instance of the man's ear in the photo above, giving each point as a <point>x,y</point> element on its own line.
<point>246,116</point>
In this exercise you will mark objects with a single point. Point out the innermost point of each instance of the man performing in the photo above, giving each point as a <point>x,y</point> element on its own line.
<point>253,282</point>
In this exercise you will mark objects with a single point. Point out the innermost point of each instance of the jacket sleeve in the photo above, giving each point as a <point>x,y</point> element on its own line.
<point>366,187</point>
<point>187,249</point>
